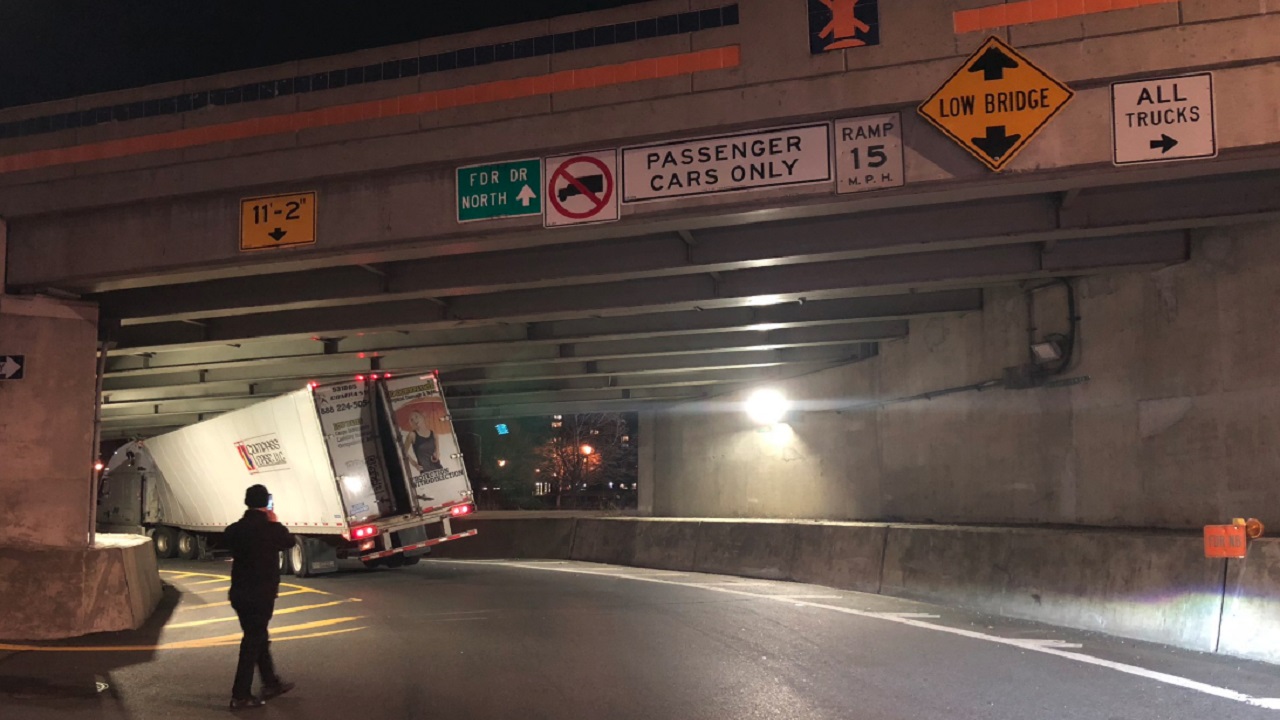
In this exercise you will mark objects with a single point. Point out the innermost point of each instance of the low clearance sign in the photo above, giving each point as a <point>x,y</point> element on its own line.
<point>727,163</point>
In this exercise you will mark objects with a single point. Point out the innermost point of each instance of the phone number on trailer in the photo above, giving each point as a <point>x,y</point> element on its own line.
<point>344,407</point>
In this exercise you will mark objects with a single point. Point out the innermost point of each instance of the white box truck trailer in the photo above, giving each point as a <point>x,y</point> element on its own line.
<point>368,469</point>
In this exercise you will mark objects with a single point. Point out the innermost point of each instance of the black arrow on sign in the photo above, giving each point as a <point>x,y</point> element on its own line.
<point>1164,144</point>
<point>996,143</point>
<point>992,64</point>
<point>277,234</point>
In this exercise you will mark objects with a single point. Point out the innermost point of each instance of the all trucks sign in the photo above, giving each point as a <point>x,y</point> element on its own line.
<point>424,434</point>
<point>727,163</point>
<point>347,420</point>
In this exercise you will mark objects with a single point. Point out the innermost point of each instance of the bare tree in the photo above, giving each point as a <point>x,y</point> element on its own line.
<point>588,450</point>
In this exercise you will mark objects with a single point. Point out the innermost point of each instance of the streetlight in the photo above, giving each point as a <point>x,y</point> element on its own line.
<point>767,406</point>
<point>502,463</point>
<point>587,449</point>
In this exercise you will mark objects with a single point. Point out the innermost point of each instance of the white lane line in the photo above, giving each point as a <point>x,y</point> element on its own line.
<point>920,616</point>
<point>734,583</point>
<point>802,597</point>
<point>1039,646</point>
<point>653,573</point>
<point>1059,644</point>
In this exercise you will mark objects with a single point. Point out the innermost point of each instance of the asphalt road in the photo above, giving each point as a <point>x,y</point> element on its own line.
<point>534,640</point>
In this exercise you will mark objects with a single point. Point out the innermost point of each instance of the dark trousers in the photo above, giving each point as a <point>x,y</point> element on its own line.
<point>255,646</point>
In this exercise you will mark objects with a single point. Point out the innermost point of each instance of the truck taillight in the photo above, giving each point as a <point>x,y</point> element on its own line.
<point>366,531</point>
<point>459,510</point>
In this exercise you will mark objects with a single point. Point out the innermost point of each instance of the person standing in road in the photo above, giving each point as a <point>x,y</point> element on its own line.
<point>256,541</point>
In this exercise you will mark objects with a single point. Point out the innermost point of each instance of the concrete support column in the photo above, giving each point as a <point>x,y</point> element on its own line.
<point>55,580</point>
<point>648,455</point>
<point>46,422</point>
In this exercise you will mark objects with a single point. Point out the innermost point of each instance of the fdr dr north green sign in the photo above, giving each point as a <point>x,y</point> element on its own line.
<point>500,190</point>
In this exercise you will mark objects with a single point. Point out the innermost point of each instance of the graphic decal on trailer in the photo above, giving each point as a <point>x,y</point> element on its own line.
<point>425,434</point>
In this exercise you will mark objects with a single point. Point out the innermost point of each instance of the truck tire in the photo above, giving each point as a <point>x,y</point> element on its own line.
<point>165,540</point>
<point>188,546</point>
<point>411,561</point>
<point>286,563</point>
<point>300,558</point>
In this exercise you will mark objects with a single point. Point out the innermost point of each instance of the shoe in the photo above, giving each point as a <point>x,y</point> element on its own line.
<point>246,703</point>
<point>275,690</point>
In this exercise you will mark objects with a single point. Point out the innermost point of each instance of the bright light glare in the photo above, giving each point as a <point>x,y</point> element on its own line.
<point>502,463</point>
<point>766,406</point>
<point>353,483</point>
<point>587,449</point>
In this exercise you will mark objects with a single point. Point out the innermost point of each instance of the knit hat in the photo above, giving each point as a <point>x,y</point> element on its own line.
<point>257,496</point>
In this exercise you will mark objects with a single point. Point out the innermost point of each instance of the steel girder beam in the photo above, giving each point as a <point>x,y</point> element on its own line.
<point>263,380</point>
<point>739,288</point>
<point>112,412</point>
<point>212,392</point>
<point>1002,220</point>
<point>149,426</point>
<point>870,310</point>
<point>508,354</point>
<point>690,322</point>
<point>1031,218</point>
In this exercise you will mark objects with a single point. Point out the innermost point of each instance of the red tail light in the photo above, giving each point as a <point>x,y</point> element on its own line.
<point>366,531</point>
<point>460,510</point>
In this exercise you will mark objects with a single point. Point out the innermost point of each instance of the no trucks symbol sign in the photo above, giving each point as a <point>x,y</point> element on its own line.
<point>581,189</point>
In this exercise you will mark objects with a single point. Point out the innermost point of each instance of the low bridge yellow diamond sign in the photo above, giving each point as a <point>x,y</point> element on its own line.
<point>995,103</point>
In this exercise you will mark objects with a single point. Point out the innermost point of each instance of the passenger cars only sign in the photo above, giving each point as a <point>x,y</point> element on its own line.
<point>727,163</point>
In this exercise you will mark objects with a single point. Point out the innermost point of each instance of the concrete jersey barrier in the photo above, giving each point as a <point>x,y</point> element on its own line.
<point>1153,586</point>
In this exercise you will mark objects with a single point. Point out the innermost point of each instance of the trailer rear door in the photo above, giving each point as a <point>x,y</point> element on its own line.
<point>426,445</point>
<point>346,412</point>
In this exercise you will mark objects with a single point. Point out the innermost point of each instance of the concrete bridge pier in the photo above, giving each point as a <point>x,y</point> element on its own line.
<point>56,580</point>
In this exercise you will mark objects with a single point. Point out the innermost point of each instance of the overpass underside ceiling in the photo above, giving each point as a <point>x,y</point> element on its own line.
<point>632,322</point>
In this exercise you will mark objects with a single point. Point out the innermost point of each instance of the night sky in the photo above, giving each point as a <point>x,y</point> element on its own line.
<point>51,49</point>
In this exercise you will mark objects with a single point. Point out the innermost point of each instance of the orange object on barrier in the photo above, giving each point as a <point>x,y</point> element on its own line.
<point>1253,527</point>
<point>1225,541</point>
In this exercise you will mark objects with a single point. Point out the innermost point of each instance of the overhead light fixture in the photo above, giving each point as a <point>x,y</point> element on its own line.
<point>1047,351</point>
<point>767,406</point>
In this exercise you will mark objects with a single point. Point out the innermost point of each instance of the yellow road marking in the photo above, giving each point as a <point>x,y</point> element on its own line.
<point>286,611</point>
<point>182,574</point>
<point>219,641</point>
<point>304,588</point>
<point>206,582</point>
<point>212,589</point>
<point>327,633</point>
<point>279,631</point>
<point>225,603</point>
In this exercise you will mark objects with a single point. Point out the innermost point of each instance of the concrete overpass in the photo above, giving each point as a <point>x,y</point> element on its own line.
<point>878,310</point>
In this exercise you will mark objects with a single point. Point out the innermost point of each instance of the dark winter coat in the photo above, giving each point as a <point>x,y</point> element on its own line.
<point>255,544</point>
